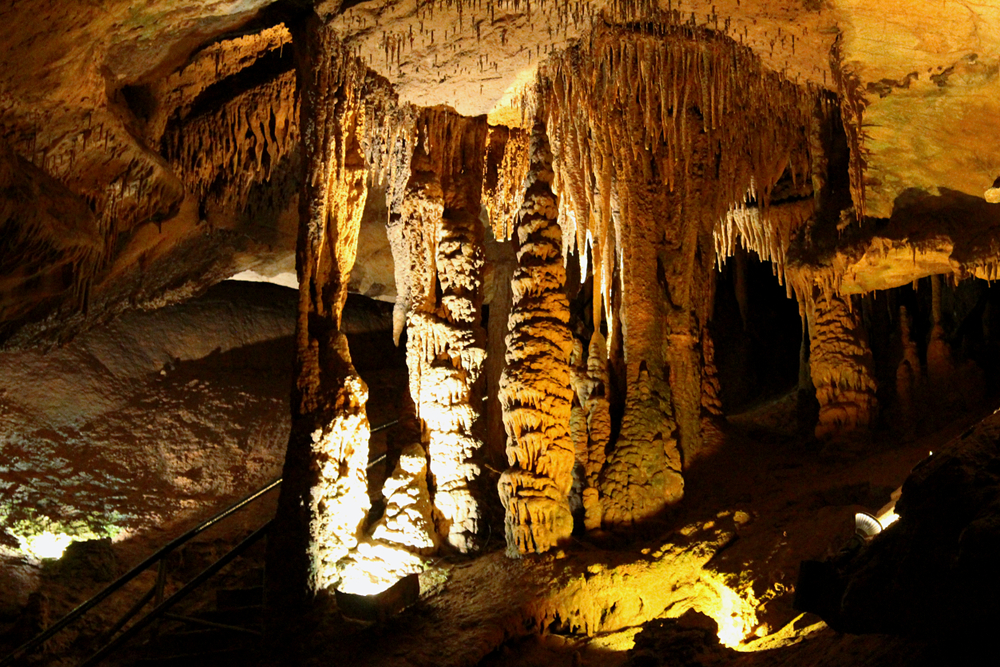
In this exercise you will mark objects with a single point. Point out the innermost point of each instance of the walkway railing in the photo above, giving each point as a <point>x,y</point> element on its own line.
<point>156,592</point>
<point>112,637</point>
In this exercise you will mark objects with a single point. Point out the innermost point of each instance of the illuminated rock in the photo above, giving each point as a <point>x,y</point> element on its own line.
<point>645,178</point>
<point>324,497</point>
<point>535,386</point>
<point>440,240</point>
<point>408,520</point>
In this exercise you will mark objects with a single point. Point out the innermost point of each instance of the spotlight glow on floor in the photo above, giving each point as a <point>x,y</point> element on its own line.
<point>44,545</point>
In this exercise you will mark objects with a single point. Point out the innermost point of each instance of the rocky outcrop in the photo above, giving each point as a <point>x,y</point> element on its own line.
<point>840,362</point>
<point>535,386</point>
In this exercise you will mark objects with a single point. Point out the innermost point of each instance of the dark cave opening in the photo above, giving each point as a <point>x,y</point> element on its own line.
<point>757,332</point>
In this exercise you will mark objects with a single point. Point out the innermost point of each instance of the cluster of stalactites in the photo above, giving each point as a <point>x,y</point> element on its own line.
<point>221,154</point>
<point>535,391</point>
<point>626,96</point>
<point>505,169</point>
<point>55,254</point>
<point>768,233</point>
<point>840,362</point>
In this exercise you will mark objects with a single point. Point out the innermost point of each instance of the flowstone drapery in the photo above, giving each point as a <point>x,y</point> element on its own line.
<point>535,386</point>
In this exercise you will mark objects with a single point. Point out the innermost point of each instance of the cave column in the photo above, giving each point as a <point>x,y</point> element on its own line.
<point>324,499</point>
<point>590,421</point>
<point>643,472</point>
<point>535,388</point>
<point>840,362</point>
<point>440,239</point>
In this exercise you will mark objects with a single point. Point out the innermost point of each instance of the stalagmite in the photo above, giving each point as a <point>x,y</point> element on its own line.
<point>535,387</point>
<point>589,379</point>
<point>841,365</point>
<point>908,373</point>
<point>403,537</point>
<point>940,365</point>
<point>439,239</point>
<point>324,496</point>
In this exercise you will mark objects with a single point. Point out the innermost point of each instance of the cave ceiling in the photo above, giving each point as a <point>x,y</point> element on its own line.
<point>121,188</point>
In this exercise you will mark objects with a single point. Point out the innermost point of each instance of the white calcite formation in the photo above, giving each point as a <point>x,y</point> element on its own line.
<point>439,239</point>
<point>535,388</point>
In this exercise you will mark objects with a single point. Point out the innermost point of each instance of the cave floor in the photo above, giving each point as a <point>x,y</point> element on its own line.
<point>798,501</point>
<point>765,500</point>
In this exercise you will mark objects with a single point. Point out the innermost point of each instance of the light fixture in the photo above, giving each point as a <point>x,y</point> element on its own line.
<point>45,545</point>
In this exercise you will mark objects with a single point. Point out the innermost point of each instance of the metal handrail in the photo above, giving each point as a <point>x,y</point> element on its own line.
<point>132,574</point>
<point>158,556</point>
<point>161,609</point>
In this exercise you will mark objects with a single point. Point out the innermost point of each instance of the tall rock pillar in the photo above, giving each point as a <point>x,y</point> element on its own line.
<point>535,388</point>
<point>440,239</point>
<point>840,362</point>
<point>324,497</point>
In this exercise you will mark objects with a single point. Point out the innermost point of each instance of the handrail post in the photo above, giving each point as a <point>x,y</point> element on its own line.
<point>161,582</point>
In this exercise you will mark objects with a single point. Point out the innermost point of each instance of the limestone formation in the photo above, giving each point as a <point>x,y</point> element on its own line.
<point>909,374</point>
<point>840,362</point>
<point>503,181</point>
<point>398,542</point>
<point>535,386</point>
<point>634,192</point>
<point>439,239</point>
<point>325,490</point>
<point>591,421</point>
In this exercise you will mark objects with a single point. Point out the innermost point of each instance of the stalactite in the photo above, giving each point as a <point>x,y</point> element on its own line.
<point>852,108</point>
<point>656,134</point>
<point>841,365</point>
<point>51,243</point>
<point>535,387</point>
<point>505,169</point>
<point>324,496</point>
<point>260,131</point>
